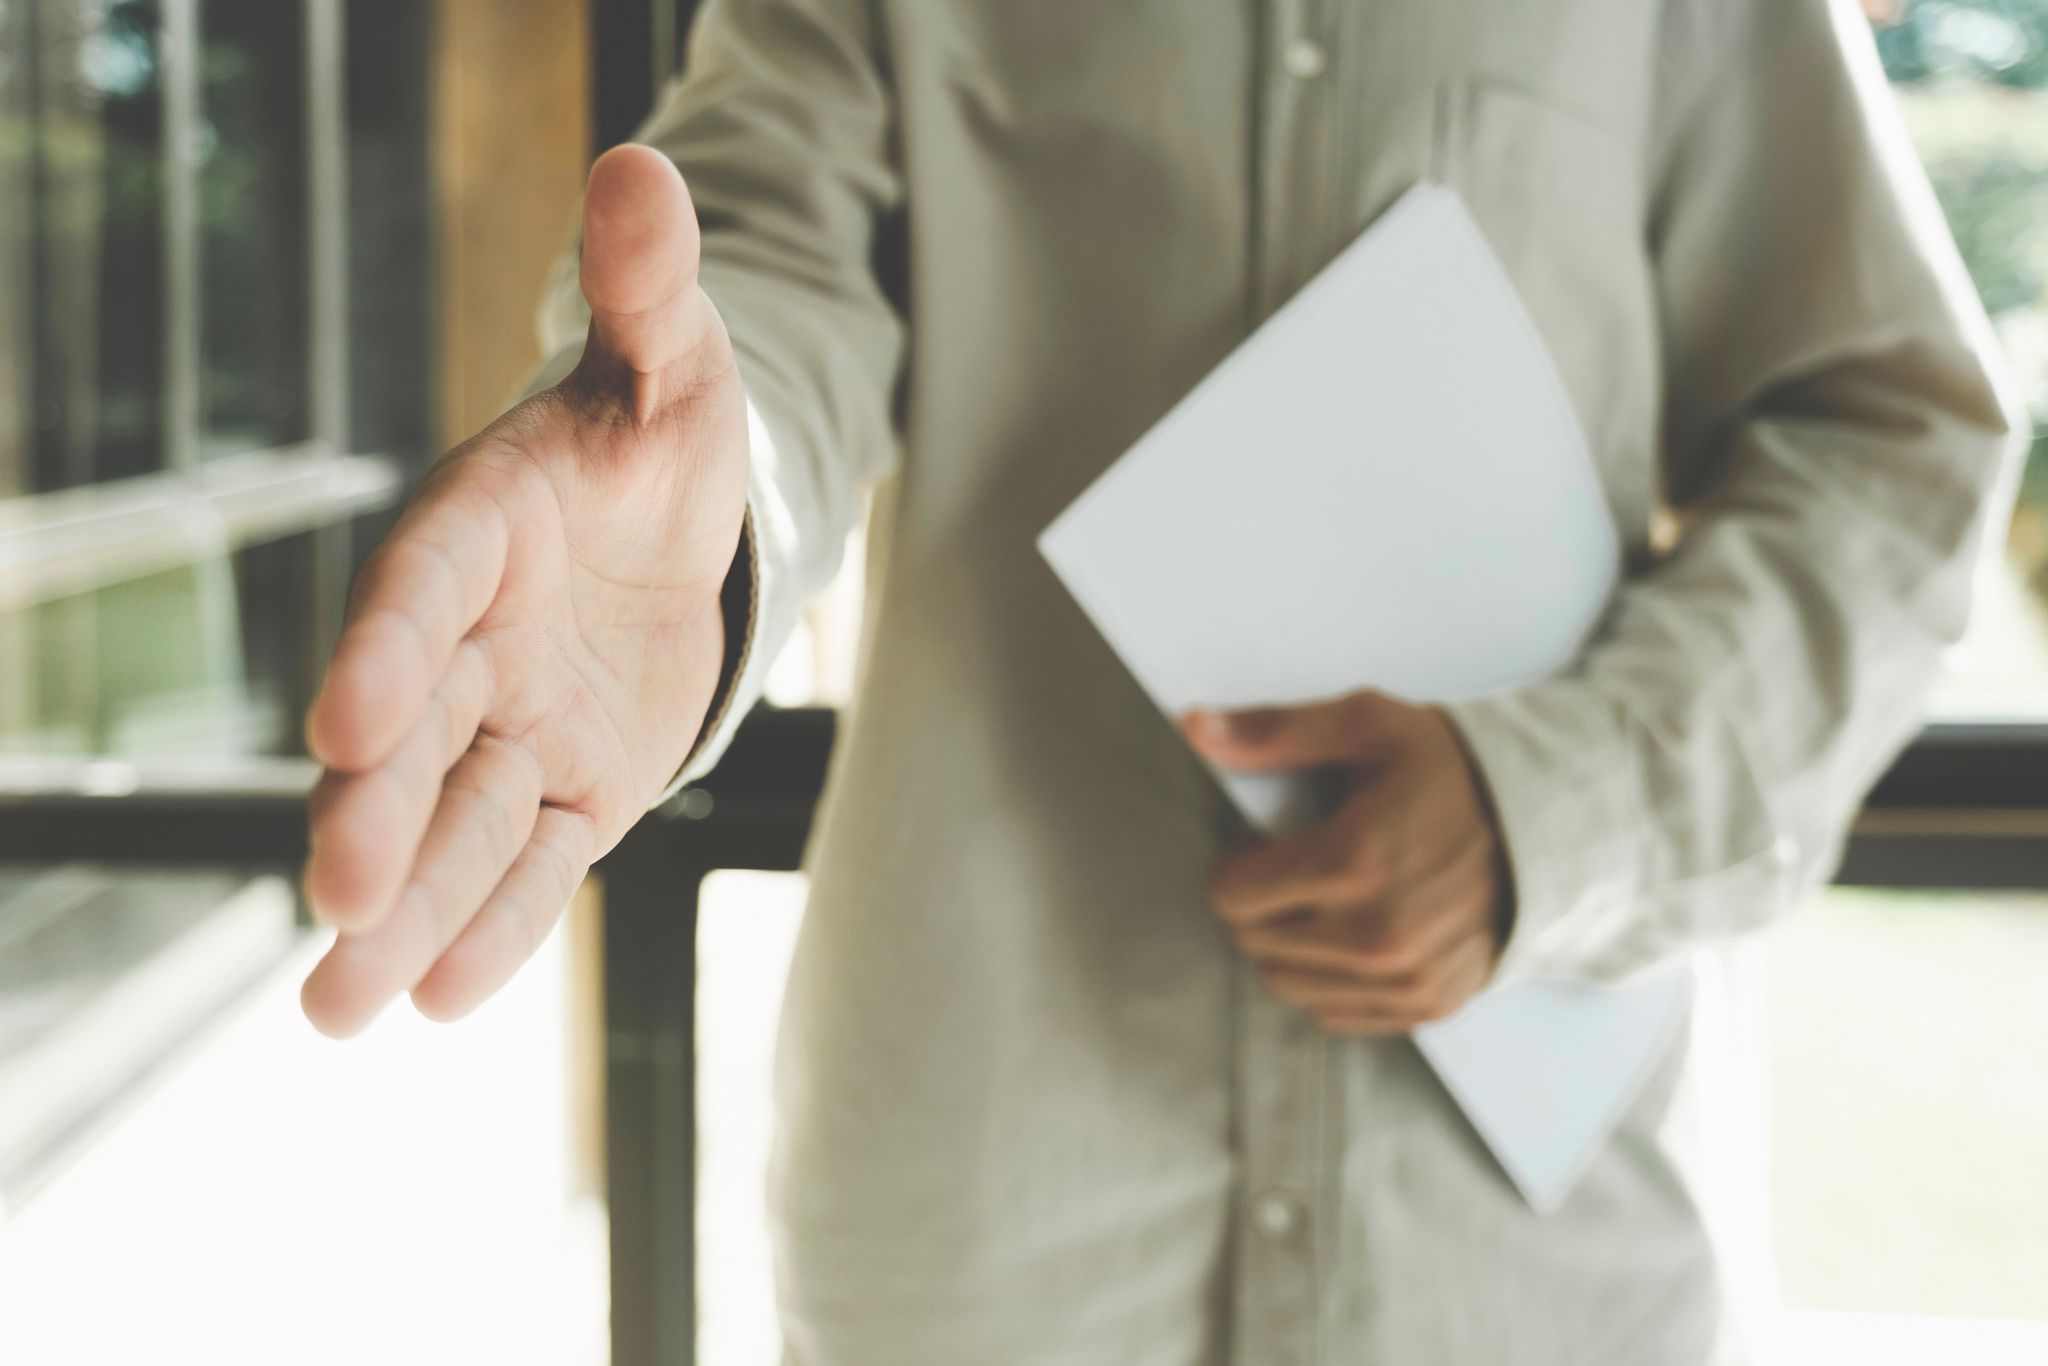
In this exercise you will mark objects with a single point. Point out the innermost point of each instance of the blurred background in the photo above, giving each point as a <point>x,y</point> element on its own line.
<point>259,261</point>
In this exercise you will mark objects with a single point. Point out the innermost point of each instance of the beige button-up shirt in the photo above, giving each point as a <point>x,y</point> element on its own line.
<point>1033,1109</point>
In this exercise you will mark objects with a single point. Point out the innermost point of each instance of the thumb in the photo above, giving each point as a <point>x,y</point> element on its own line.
<point>639,262</point>
<point>1358,728</point>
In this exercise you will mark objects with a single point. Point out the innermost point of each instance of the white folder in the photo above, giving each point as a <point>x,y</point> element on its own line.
<point>1386,486</point>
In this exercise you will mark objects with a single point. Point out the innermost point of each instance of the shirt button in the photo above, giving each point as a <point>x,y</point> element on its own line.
<point>1305,59</point>
<point>1277,1215</point>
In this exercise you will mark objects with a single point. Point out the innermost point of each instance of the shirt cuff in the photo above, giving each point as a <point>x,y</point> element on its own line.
<point>1555,763</point>
<point>739,602</point>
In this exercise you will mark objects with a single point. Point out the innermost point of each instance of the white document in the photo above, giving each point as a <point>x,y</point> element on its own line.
<point>1386,486</point>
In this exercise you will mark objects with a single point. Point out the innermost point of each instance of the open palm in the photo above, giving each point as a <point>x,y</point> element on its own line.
<point>529,657</point>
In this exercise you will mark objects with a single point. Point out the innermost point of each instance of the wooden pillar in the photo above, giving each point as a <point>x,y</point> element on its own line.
<point>512,145</point>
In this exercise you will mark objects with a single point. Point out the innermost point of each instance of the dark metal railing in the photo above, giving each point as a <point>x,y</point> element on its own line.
<point>754,812</point>
<point>1966,807</point>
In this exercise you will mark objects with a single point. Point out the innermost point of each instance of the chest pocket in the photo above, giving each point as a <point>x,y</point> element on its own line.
<point>1559,196</point>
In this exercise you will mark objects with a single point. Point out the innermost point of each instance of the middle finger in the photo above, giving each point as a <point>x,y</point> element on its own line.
<point>486,814</point>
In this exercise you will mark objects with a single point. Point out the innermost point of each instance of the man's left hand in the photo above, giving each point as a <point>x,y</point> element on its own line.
<point>1393,911</point>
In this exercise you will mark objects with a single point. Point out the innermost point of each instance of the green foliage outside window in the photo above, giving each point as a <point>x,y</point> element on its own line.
<point>1972,79</point>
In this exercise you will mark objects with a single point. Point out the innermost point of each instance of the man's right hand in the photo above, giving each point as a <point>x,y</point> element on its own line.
<point>529,658</point>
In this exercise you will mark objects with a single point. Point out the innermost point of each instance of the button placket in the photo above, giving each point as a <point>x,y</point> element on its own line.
<point>1296,96</point>
<point>1282,1074</point>
<point>1282,1058</point>
<point>1277,1214</point>
<point>1304,59</point>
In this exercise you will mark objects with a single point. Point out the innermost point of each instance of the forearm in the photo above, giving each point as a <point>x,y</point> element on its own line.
<point>1838,445</point>
<point>1699,771</point>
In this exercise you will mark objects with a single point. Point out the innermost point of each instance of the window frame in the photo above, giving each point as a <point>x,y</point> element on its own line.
<point>96,534</point>
<point>363,73</point>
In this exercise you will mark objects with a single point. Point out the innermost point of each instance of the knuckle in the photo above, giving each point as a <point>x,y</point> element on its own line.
<point>566,838</point>
<point>532,913</point>
<point>326,791</point>
<point>422,562</point>
<point>1366,866</point>
<point>1258,725</point>
<point>1403,989</point>
<point>465,702</point>
<point>1423,1004</point>
<point>525,770</point>
<point>424,890</point>
<point>1378,713</point>
<point>601,809</point>
<point>1351,960</point>
<point>1435,1006</point>
<point>1366,719</point>
<point>493,803</point>
<point>386,787</point>
<point>1379,949</point>
<point>1341,862</point>
<point>443,729</point>
<point>1355,852</point>
<point>468,781</point>
<point>1431,996</point>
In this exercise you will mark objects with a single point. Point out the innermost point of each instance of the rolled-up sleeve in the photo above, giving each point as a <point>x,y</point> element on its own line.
<point>783,129</point>
<point>1837,450</point>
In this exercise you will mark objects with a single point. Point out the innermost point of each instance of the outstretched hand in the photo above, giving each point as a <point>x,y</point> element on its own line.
<point>529,657</point>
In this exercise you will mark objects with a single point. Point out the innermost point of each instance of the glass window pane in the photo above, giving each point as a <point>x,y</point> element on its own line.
<point>102,973</point>
<point>1908,1043</point>
<point>205,659</point>
<point>252,206</point>
<point>159,632</point>
<point>83,104</point>
<point>17,264</point>
<point>156,609</point>
<point>422,1173</point>
<point>1972,81</point>
<point>746,930</point>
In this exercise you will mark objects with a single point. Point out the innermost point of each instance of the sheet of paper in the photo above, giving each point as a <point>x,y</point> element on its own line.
<point>1386,486</point>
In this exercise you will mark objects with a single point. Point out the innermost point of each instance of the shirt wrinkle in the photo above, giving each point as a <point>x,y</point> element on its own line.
<point>1126,191</point>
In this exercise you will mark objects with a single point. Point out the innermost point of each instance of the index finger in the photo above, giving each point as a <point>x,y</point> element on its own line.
<point>417,597</point>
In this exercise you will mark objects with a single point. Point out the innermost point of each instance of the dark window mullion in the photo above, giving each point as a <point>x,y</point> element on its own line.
<point>636,46</point>
<point>182,321</point>
<point>1969,766</point>
<point>327,381</point>
<point>327,384</point>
